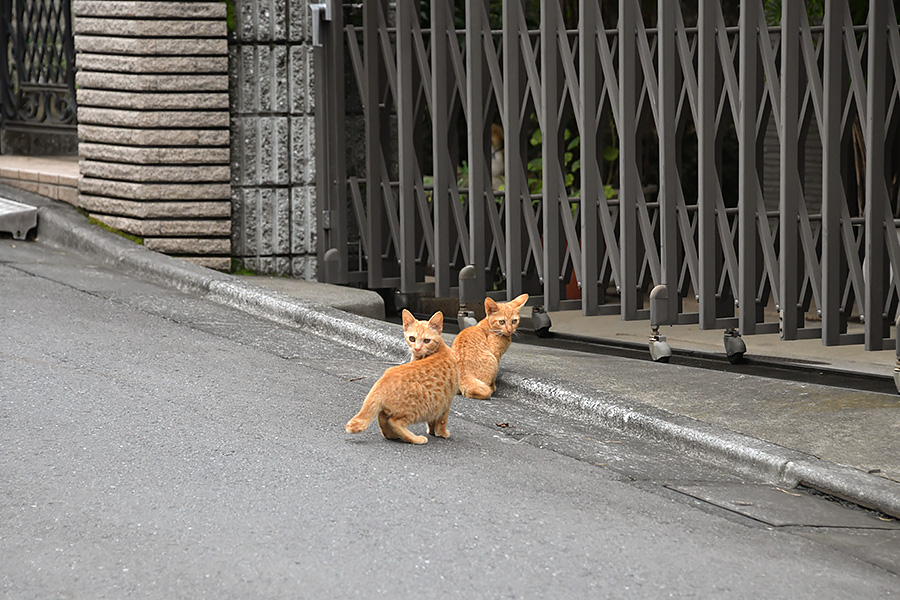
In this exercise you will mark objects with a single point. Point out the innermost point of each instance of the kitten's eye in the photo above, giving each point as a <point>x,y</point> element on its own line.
<point>427,340</point>
<point>502,321</point>
<point>412,338</point>
<point>515,321</point>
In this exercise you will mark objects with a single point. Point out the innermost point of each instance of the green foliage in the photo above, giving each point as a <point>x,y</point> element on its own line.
<point>815,11</point>
<point>231,18</point>
<point>571,164</point>
<point>237,268</point>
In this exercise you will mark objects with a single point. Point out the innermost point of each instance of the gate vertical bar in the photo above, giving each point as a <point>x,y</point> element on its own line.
<point>668,168</point>
<point>516,183</point>
<point>591,187</point>
<point>706,161</point>
<point>553,190</point>
<point>6,91</point>
<point>331,169</point>
<point>832,196</point>
<point>375,187</point>
<point>789,184</point>
<point>875,184</point>
<point>629,184</point>
<point>476,73</point>
<point>747,175</point>
<point>406,116</point>
<point>440,123</point>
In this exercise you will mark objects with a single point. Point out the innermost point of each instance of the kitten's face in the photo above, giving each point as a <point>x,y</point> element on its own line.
<point>422,337</point>
<point>503,318</point>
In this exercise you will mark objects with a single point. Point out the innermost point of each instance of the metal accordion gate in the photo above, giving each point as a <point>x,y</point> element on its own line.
<point>586,152</point>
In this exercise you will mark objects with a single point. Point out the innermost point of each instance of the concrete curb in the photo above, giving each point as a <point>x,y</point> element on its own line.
<point>62,226</point>
<point>735,451</point>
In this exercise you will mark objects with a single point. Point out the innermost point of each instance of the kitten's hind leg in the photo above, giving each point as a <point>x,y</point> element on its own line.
<point>405,434</point>
<point>439,426</point>
<point>386,429</point>
<point>475,388</point>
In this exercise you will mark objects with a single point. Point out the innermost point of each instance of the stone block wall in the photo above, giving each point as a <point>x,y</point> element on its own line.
<point>153,114</point>
<point>272,138</point>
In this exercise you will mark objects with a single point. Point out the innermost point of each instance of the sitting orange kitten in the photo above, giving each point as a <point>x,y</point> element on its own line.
<point>479,348</point>
<point>417,391</point>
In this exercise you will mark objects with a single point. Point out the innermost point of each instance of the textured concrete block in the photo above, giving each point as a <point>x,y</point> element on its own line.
<point>167,228</point>
<point>260,143</point>
<point>280,92</point>
<point>151,64</point>
<point>151,83</point>
<point>178,174</point>
<point>247,208</point>
<point>160,10</point>
<point>303,147</point>
<point>303,220</point>
<point>152,101</point>
<point>154,210</point>
<point>274,213</point>
<point>299,27</point>
<point>154,191</point>
<point>152,119</point>
<point>238,227</point>
<point>245,13</point>
<point>154,156</point>
<point>145,47</point>
<point>189,245</point>
<point>301,91</point>
<point>273,151</point>
<point>124,136</point>
<point>270,143</point>
<point>304,267</point>
<point>247,90</point>
<point>147,28</point>
<point>310,81</point>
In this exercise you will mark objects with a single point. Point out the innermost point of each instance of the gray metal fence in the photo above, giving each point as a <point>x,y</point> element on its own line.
<point>639,148</point>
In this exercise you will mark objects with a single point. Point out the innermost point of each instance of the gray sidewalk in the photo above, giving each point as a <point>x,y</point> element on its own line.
<point>842,442</point>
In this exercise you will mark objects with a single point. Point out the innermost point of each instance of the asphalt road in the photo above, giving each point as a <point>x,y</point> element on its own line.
<point>154,444</point>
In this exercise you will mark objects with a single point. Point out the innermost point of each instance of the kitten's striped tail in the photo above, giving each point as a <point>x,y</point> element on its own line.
<point>366,414</point>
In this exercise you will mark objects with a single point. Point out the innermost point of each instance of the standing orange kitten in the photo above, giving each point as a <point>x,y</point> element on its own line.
<point>479,348</point>
<point>420,390</point>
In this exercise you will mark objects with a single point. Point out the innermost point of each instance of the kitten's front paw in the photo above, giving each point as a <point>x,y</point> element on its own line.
<point>418,439</point>
<point>354,426</point>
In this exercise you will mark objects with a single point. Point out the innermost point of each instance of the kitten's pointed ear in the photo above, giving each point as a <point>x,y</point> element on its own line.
<point>408,319</point>
<point>490,307</point>
<point>519,301</point>
<point>436,321</point>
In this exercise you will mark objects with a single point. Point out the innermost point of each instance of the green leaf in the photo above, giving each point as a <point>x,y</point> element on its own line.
<point>536,164</point>
<point>537,138</point>
<point>609,192</point>
<point>576,165</point>
<point>570,179</point>
<point>610,153</point>
<point>575,143</point>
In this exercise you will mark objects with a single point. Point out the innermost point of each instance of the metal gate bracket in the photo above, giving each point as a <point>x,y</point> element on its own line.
<point>320,12</point>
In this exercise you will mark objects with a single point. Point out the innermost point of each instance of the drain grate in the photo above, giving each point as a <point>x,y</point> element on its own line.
<point>17,218</point>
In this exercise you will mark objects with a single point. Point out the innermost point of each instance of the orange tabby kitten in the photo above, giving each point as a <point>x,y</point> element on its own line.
<point>479,348</point>
<point>420,390</point>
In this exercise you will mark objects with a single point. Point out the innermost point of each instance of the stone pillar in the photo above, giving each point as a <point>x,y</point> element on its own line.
<point>152,94</point>
<point>272,162</point>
